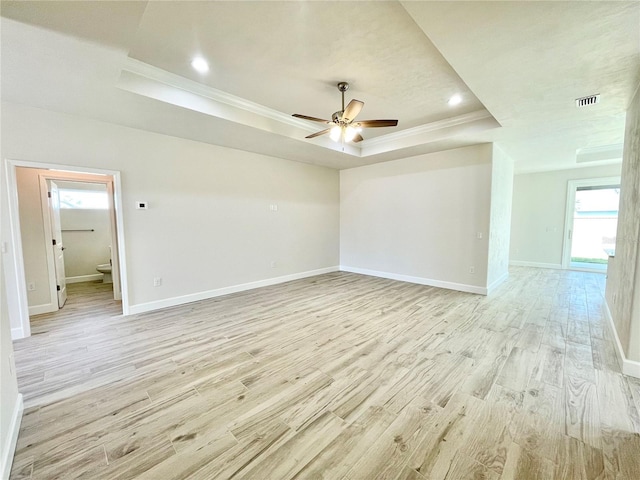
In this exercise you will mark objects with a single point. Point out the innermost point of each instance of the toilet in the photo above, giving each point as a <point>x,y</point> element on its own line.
<point>105,269</point>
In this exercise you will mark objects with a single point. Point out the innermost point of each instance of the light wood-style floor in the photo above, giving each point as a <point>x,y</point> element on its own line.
<point>336,376</point>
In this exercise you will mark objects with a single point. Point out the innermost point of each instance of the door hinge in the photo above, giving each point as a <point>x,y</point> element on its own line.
<point>49,194</point>
<point>58,287</point>
<point>54,241</point>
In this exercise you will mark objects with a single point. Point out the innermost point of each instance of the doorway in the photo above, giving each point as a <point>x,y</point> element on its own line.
<point>591,223</point>
<point>37,292</point>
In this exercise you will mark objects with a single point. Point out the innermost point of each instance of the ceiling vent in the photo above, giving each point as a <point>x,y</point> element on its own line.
<point>587,101</point>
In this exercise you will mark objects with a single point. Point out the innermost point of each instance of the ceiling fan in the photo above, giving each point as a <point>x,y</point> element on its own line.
<point>342,125</point>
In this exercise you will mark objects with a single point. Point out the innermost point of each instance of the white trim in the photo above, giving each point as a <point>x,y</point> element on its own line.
<point>43,308</point>
<point>45,186</point>
<point>16,276</point>
<point>521,263</point>
<point>17,333</point>
<point>599,153</point>
<point>497,283</point>
<point>153,82</point>
<point>572,186</point>
<point>589,270</point>
<point>525,170</point>
<point>85,278</point>
<point>12,440</point>
<point>17,294</point>
<point>194,297</point>
<point>427,128</point>
<point>628,367</point>
<point>175,90</point>
<point>461,287</point>
<point>163,76</point>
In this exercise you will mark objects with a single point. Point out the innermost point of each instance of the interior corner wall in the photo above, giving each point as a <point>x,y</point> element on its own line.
<point>623,276</point>
<point>10,400</point>
<point>16,297</point>
<point>538,213</point>
<point>210,224</point>
<point>34,247</point>
<point>417,219</point>
<point>500,217</point>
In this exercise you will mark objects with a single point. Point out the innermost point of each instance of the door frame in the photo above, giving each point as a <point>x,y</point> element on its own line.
<point>14,269</point>
<point>106,180</point>
<point>572,186</point>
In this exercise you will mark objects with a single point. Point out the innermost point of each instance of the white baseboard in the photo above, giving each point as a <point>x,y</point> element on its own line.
<point>520,263</point>
<point>194,297</point>
<point>12,440</point>
<point>44,308</point>
<point>461,287</point>
<point>497,283</point>
<point>17,333</point>
<point>628,367</point>
<point>85,278</point>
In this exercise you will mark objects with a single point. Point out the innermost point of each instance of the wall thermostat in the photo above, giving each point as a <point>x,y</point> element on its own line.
<point>142,205</point>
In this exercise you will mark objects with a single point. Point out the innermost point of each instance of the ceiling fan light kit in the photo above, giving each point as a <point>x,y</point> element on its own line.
<point>342,126</point>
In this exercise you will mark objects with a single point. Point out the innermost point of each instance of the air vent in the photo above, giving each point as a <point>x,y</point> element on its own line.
<point>587,101</point>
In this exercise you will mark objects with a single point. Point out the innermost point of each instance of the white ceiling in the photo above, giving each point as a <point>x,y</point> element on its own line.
<point>518,65</point>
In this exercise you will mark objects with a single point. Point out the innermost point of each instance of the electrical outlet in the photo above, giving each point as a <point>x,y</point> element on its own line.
<point>472,269</point>
<point>479,234</point>
<point>31,286</point>
<point>157,281</point>
<point>273,264</point>
<point>273,207</point>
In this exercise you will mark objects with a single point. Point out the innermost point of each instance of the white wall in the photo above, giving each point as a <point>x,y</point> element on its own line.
<point>623,285</point>
<point>84,250</point>
<point>538,215</point>
<point>500,220</point>
<point>11,402</point>
<point>209,224</point>
<point>34,248</point>
<point>418,218</point>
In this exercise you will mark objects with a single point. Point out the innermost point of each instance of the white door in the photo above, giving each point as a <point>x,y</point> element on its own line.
<point>58,247</point>
<point>591,223</point>
<point>115,256</point>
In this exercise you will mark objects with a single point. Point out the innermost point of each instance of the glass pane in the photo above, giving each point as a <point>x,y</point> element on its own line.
<point>595,222</point>
<point>84,199</point>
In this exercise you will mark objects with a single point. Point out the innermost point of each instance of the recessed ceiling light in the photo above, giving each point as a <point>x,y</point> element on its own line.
<point>455,100</point>
<point>200,65</point>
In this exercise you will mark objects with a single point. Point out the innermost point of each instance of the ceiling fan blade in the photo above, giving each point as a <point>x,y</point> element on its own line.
<point>352,110</point>
<point>357,138</point>
<point>313,119</point>
<point>376,123</point>
<point>317,134</point>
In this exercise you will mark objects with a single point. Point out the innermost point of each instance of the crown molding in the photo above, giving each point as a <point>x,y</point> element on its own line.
<point>153,82</point>
<point>171,79</point>
<point>599,153</point>
<point>427,128</point>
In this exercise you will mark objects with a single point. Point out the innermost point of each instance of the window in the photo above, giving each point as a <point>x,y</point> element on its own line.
<point>83,199</point>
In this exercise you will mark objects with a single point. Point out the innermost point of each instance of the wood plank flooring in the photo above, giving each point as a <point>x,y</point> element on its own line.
<point>339,376</point>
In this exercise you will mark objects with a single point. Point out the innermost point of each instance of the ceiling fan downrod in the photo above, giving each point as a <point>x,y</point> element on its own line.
<point>343,87</point>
